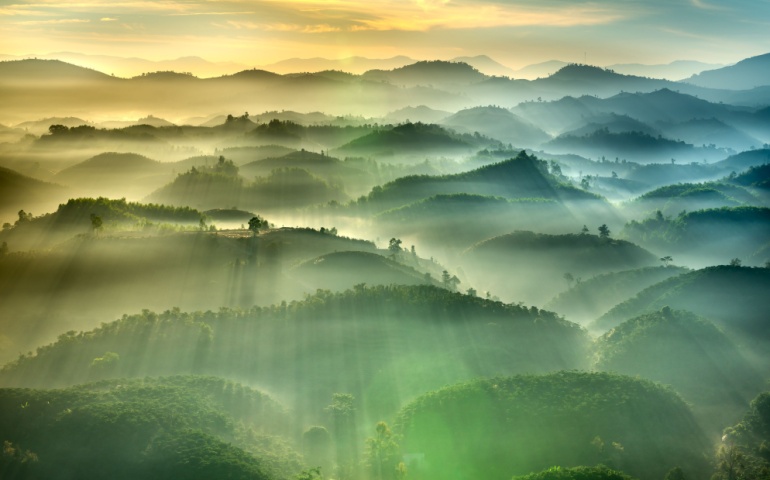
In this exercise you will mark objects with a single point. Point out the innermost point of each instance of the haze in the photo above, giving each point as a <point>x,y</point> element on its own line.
<point>398,240</point>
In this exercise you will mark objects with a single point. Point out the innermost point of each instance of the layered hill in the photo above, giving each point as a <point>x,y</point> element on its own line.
<point>20,192</point>
<point>97,276</point>
<point>746,74</point>
<point>459,220</point>
<point>398,338</point>
<point>673,199</point>
<point>546,259</point>
<point>712,235</point>
<point>115,174</point>
<point>281,190</point>
<point>734,298</point>
<point>135,428</point>
<point>410,139</point>
<point>521,177</point>
<point>517,425</point>
<point>343,270</point>
<point>497,123</point>
<point>590,298</point>
<point>678,348</point>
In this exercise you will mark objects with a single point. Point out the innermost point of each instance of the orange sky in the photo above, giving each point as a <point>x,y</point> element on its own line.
<point>515,33</point>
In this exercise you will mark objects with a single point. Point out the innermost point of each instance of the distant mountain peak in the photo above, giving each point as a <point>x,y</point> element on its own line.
<point>577,70</point>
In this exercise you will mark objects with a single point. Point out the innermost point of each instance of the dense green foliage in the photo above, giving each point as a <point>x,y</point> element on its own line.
<point>547,258</point>
<point>757,176</point>
<point>744,450</point>
<point>343,270</point>
<point>459,220</point>
<point>633,145</point>
<point>701,232</point>
<point>575,473</point>
<point>733,297</point>
<point>262,344</point>
<point>521,177</point>
<point>180,427</point>
<point>588,299</point>
<point>689,353</point>
<point>283,188</point>
<point>495,428</point>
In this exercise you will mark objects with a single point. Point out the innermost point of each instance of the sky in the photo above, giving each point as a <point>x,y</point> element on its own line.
<point>516,33</point>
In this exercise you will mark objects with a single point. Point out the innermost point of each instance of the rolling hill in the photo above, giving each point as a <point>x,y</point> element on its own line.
<point>678,348</point>
<point>734,298</point>
<point>497,123</point>
<point>592,297</point>
<point>377,329</point>
<point>524,176</point>
<point>134,428</point>
<point>546,258</point>
<point>342,270</point>
<point>516,425</point>
<point>747,74</point>
<point>116,175</point>
<point>20,192</point>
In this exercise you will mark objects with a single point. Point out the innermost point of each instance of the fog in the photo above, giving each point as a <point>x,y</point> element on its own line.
<point>411,272</point>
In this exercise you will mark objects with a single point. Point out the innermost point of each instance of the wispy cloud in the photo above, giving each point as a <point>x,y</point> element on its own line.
<point>59,21</point>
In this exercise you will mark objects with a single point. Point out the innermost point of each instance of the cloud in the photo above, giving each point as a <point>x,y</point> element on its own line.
<point>108,19</point>
<point>59,21</point>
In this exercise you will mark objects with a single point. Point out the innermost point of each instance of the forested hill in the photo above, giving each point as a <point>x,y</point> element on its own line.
<point>516,425</point>
<point>177,427</point>
<point>399,325</point>
<point>524,176</point>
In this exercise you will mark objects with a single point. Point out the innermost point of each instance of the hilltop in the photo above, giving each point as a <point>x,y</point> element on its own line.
<point>128,428</point>
<point>259,345</point>
<point>516,425</point>
<point>546,258</point>
<point>590,298</point>
<point>732,297</point>
<point>524,176</point>
<point>678,348</point>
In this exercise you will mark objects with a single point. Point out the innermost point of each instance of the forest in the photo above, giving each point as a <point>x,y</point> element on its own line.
<point>416,271</point>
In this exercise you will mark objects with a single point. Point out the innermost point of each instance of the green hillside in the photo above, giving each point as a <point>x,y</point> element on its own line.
<point>714,235</point>
<point>592,297</point>
<point>499,427</point>
<point>342,270</point>
<point>176,427</point>
<point>416,338</point>
<point>678,348</point>
<point>546,258</point>
<point>521,177</point>
<point>734,298</point>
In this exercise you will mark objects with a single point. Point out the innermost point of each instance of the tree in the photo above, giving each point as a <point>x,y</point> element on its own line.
<point>394,246</point>
<point>604,231</point>
<point>666,260</point>
<point>54,129</point>
<point>310,474</point>
<point>318,448</point>
<point>382,453</point>
<point>736,262</point>
<point>23,217</point>
<point>472,292</point>
<point>584,230</point>
<point>675,473</point>
<point>342,410</point>
<point>449,282</point>
<point>3,249</point>
<point>96,222</point>
<point>257,223</point>
<point>569,278</point>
